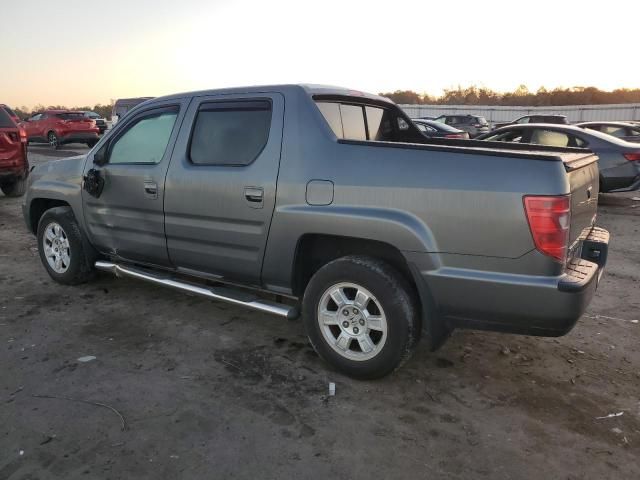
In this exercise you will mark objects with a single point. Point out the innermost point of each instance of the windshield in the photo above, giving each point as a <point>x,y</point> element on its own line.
<point>92,115</point>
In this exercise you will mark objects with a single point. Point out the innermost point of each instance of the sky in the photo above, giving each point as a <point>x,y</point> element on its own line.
<point>75,53</point>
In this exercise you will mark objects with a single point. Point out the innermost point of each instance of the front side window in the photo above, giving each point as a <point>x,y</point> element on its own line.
<point>232,133</point>
<point>146,140</point>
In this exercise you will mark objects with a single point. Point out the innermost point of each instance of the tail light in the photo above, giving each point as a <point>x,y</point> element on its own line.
<point>454,135</point>
<point>23,135</point>
<point>549,219</point>
<point>632,157</point>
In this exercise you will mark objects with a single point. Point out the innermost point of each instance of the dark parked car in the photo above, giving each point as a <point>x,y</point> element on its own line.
<point>339,208</point>
<point>123,105</point>
<point>557,119</point>
<point>59,127</point>
<point>101,123</point>
<point>619,161</point>
<point>14,167</point>
<point>433,129</point>
<point>625,130</point>
<point>474,125</point>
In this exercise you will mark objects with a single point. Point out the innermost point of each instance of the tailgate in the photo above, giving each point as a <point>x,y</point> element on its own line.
<point>582,172</point>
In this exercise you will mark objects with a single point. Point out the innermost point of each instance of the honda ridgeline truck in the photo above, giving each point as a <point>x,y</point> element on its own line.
<point>329,204</point>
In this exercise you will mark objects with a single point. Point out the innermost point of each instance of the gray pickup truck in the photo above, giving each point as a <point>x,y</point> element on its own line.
<point>329,204</point>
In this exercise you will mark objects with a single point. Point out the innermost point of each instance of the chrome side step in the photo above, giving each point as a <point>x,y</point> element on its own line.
<point>222,294</point>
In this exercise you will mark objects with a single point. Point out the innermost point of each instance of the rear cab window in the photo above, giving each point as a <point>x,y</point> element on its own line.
<point>368,122</point>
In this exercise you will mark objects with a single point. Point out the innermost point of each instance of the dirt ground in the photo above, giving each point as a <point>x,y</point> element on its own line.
<point>208,390</point>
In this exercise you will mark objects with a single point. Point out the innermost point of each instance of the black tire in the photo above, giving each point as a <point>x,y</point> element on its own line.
<point>398,304</point>
<point>16,188</point>
<point>52,140</point>
<point>81,255</point>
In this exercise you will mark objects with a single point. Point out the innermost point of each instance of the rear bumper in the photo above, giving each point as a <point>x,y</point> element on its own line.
<point>514,303</point>
<point>78,137</point>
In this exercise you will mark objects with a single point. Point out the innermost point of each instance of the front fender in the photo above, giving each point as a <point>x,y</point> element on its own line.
<point>56,182</point>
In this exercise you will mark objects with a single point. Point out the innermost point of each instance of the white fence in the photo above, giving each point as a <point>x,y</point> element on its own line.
<point>575,113</point>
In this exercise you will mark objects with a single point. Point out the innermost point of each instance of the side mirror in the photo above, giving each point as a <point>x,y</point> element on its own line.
<point>100,157</point>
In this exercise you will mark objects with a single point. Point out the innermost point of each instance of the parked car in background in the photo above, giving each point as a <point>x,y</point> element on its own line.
<point>59,127</point>
<point>101,123</point>
<point>619,161</point>
<point>556,119</point>
<point>14,167</point>
<point>336,203</point>
<point>10,112</point>
<point>625,130</point>
<point>433,129</point>
<point>474,125</point>
<point>123,105</point>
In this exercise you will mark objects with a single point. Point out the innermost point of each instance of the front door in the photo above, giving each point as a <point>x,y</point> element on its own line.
<point>127,221</point>
<point>221,185</point>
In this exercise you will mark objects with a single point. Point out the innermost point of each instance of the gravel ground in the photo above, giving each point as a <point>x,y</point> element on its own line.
<point>208,390</point>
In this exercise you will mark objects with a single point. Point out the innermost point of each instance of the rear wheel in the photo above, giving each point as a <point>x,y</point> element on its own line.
<point>15,188</point>
<point>361,316</point>
<point>64,252</point>
<point>52,138</point>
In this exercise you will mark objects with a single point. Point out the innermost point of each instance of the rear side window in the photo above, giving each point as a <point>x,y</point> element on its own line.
<point>614,130</point>
<point>70,116</point>
<point>353,122</point>
<point>230,133</point>
<point>146,140</point>
<point>9,111</point>
<point>368,122</point>
<point>549,137</point>
<point>5,120</point>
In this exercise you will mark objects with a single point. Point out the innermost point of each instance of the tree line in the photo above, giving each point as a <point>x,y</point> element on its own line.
<point>103,110</point>
<point>475,95</point>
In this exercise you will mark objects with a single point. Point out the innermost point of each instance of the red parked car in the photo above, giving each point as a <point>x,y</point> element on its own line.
<point>58,127</point>
<point>14,167</point>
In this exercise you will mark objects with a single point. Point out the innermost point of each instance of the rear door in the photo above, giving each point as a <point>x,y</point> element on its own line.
<point>127,219</point>
<point>221,185</point>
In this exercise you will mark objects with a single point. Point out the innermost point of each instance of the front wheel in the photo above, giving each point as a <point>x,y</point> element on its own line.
<point>361,316</point>
<point>65,254</point>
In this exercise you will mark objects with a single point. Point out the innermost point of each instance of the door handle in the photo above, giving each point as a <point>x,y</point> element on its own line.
<point>151,189</point>
<point>255,196</point>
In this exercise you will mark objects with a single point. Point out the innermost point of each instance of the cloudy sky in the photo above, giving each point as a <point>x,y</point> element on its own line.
<point>77,52</point>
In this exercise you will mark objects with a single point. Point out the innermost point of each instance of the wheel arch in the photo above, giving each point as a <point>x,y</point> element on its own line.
<point>38,206</point>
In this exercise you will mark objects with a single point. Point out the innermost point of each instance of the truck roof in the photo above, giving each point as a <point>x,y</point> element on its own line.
<point>309,88</point>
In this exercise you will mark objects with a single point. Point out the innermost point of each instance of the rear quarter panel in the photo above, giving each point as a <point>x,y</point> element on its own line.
<point>458,202</point>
